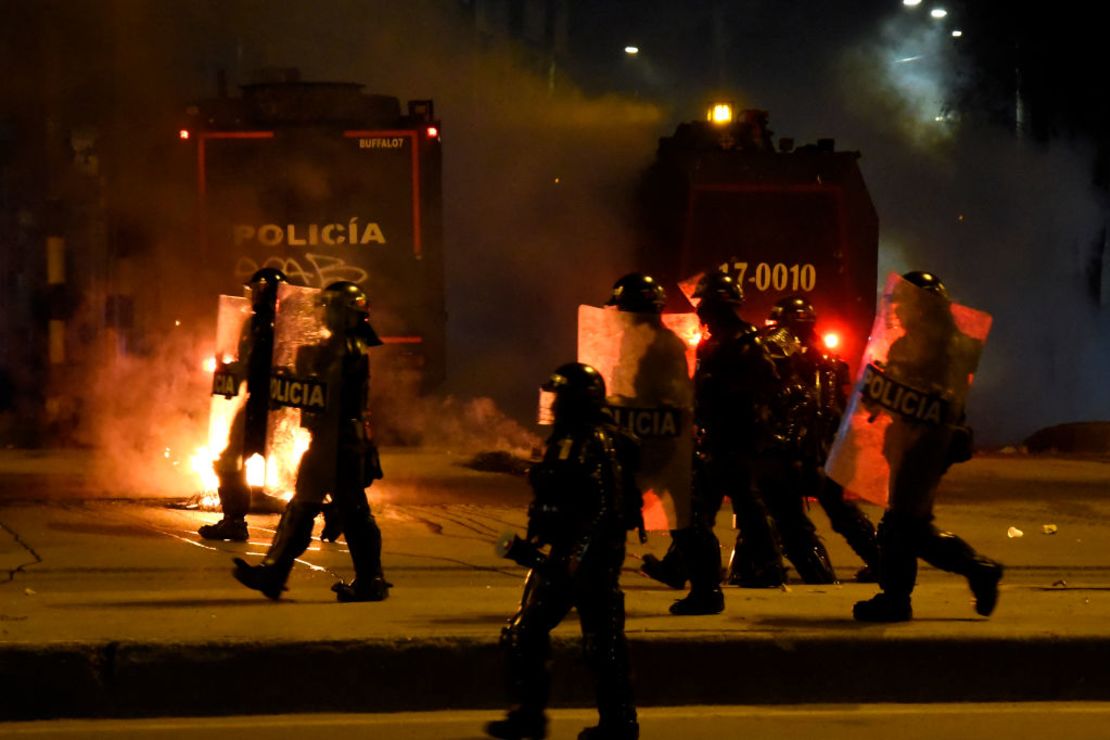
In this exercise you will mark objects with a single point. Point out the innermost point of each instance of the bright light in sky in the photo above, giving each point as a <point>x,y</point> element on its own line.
<point>911,3</point>
<point>631,50</point>
<point>938,13</point>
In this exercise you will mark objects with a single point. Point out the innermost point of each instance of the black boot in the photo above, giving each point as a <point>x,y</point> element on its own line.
<point>984,585</point>
<point>699,602</point>
<point>948,552</point>
<point>756,560</point>
<point>518,726</point>
<point>294,533</point>
<point>264,578</point>
<point>813,564</point>
<point>883,608</point>
<point>899,537</point>
<point>376,589</point>
<point>228,529</point>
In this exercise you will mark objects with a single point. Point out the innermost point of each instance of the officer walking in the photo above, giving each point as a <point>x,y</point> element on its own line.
<point>341,458</point>
<point>247,436</point>
<point>734,384</point>
<point>931,364</point>
<point>814,399</point>
<point>585,500</point>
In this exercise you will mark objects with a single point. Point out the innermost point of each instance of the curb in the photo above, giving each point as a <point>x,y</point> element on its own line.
<point>120,679</point>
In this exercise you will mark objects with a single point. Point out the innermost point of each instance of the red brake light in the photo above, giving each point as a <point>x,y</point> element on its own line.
<point>183,134</point>
<point>432,132</point>
<point>832,340</point>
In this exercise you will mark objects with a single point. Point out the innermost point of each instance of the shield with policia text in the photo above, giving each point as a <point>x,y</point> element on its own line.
<point>227,413</point>
<point>646,364</point>
<point>304,387</point>
<point>913,383</point>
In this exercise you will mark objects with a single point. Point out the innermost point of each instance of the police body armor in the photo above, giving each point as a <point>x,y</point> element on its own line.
<point>734,387</point>
<point>579,494</point>
<point>909,397</point>
<point>812,399</point>
<point>646,367</point>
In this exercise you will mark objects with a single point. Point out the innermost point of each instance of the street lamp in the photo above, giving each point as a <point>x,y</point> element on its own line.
<point>911,3</point>
<point>631,50</point>
<point>938,13</point>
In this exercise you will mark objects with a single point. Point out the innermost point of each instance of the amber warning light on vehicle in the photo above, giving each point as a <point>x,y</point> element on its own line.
<point>720,113</point>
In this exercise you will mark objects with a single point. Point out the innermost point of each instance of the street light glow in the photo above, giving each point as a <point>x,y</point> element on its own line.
<point>938,13</point>
<point>631,50</point>
<point>957,34</point>
<point>911,3</point>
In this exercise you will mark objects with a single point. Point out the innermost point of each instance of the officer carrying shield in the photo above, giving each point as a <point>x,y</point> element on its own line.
<point>920,388</point>
<point>734,387</point>
<point>815,384</point>
<point>247,436</point>
<point>584,502</point>
<point>331,386</point>
<point>653,371</point>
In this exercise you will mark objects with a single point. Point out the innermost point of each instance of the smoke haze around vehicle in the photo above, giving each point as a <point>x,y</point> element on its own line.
<point>538,188</point>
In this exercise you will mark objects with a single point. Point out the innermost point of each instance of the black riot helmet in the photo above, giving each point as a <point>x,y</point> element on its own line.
<point>347,310</point>
<point>719,296</point>
<point>927,281</point>
<point>579,393</point>
<point>794,311</point>
<point>638,293</point>
<point>264,287</point>
<point>719,288</point>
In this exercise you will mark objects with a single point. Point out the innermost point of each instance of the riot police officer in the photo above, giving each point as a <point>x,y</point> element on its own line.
<point>341,458</point>
<point>584,499</point>
<point>813,401</point>
<point>932,352</point>
<point>661,377</point>
<point>247,436</point>
<point>734,386</point>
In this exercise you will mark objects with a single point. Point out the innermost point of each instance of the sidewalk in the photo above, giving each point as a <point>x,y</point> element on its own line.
<point>115,608</point>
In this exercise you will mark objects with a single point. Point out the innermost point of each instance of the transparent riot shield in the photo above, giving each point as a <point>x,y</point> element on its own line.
<point>227,413</point>
<point>647,368</point>
<point>913,383</point>
<point>303,393</point>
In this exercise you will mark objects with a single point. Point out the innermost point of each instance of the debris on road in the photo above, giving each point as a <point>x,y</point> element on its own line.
<point>1013,532</point>
<point>1048,529</point>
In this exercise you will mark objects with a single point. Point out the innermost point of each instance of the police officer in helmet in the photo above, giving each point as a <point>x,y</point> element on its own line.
<point>734,386</point>
<point>638,293</point>
<point>584,497</point>
<point>813,400</point>
<point>247,435</point>
<point>933,349</point>
<point>341,460</point>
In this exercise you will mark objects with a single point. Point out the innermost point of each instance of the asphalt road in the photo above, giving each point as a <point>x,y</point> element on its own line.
<point>114,607</point>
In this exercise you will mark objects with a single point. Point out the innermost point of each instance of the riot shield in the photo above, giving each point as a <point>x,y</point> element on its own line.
<point>912,386</point>
<point>304,395</point>
<point>647,368</point>
<point>227,413</point>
